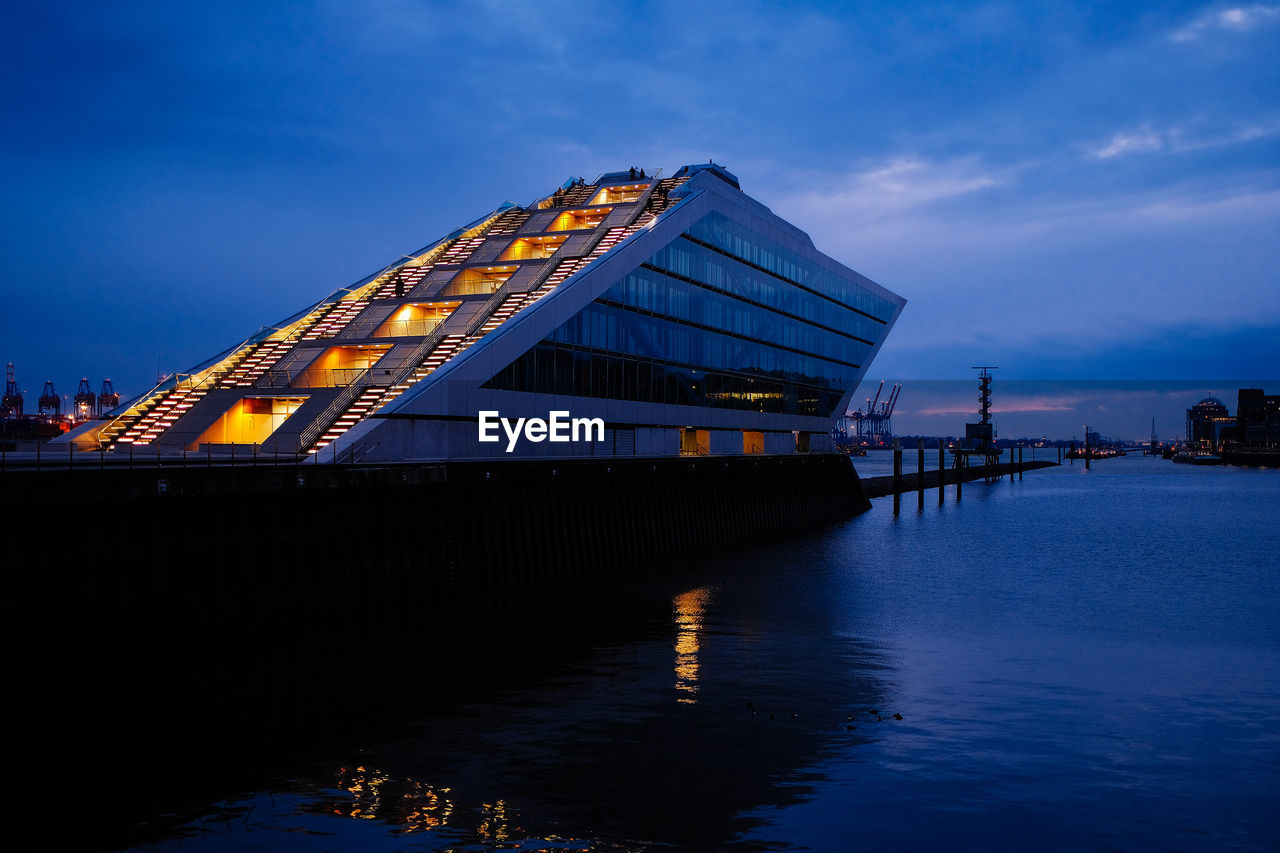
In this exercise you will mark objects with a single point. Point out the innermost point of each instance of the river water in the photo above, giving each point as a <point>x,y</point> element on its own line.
<point>1079,660</point>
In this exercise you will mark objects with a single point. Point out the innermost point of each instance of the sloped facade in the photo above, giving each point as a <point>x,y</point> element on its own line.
<point>676,315</point>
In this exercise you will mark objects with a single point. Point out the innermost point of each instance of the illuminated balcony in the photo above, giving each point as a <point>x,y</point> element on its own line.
<point>339,366</point>
<point>619,194</point>
<point>251,420</point>
<point>580,220</point>
<point>479,280</point>
<point>532,248</point>
<point>415,320</point>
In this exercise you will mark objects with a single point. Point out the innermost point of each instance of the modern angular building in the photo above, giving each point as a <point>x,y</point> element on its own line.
<point>665,316</point>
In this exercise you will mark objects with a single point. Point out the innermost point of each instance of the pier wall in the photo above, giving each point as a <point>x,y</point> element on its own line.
<point>179,570</point>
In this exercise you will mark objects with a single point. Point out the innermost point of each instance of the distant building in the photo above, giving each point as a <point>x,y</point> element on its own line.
<point>1206,421</point>
<point>1257,418</point>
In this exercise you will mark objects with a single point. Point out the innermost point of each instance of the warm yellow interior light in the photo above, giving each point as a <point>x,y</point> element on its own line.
<point>251,420</point>
<point>527,248</point>
<point>478,280</point>
<point>619,194</point>
<point>577,220</point>
<point>358,357</point>
<point>415,319</point>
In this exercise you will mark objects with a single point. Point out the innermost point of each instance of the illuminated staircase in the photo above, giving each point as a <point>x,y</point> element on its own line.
<point>335,319</point>
<point>577,196</point>
<point>513,303</point>
<point>367,402</point>
<point>255,364</point>
<point>407,277</point>
<point>448,347</point>
<point>162,415</point>
<point>462,249</point>
<point>510,221</point>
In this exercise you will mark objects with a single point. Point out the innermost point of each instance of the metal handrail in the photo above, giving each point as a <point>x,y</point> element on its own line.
<point>312,431</point>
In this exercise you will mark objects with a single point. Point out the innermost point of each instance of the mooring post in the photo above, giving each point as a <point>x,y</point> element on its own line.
<point>1033,456</point>
<point>1086,448</point>
<point>942,470</point>
<point>1010,464</point>
<point>897,475</point>
<point>920,473</point>
<point>960,466</point>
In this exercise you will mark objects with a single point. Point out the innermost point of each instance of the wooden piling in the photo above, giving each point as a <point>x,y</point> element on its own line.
<point>920,474</point>
<point>897,475</point>
<point>942,470</point>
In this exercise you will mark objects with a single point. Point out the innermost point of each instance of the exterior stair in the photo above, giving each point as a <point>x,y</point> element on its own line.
<point>368,401</point>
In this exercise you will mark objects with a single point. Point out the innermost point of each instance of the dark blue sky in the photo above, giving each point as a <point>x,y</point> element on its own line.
<point>1066,190</point>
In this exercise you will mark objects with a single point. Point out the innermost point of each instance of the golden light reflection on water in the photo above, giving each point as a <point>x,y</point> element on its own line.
<point>412,806</point>
<point>494,826</point>
<point>689,607</point>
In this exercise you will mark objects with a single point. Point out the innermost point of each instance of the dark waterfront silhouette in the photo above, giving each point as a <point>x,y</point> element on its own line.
<point>1080,659</point>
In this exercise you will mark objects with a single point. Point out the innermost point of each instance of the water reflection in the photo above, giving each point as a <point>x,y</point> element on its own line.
<point>407,804</point>
<point>689,607</point>
<point>410,806</point>
<point>592,753</point>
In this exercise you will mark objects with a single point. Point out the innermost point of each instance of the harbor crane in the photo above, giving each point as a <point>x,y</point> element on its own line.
<point>11,406</point>
<point>108,399</point>
<point>50,404</point>
<point>872,426</point>
<point>85,403</point>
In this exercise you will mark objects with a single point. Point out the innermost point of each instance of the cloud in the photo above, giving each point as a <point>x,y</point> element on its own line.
<point>1178,139</point>
<point>892,190</point>
<point>1237,19</point>
<point>1040,405</point>
<point>1139,141</point>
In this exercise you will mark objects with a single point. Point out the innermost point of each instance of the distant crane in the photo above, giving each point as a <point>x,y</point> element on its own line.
<point>11,405</point>
<point>50,405</point>
<point>85,403</point>
<point>108,399</point>
<point>872,426</point>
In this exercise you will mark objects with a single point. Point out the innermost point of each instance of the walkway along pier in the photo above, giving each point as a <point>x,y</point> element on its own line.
<point>879,487</point>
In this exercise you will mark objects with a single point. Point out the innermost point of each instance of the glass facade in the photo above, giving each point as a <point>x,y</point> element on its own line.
<point>719,317</point>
